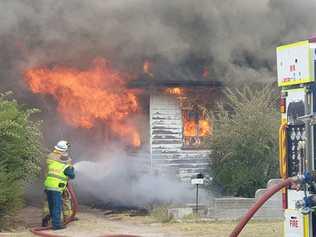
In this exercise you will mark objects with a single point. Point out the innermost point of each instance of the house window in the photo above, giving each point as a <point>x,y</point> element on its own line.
<point>196,128</point>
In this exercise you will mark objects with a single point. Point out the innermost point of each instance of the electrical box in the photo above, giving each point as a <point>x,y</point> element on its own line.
<point>295,63</point>
<point>296,77</point>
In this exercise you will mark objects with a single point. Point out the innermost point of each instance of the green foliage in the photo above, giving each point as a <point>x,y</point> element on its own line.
<point>245,141</point>
<point>20,153</point>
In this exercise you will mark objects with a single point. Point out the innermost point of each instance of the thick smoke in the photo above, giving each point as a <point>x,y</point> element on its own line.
<point>235,38</point>
<point>115,178</point>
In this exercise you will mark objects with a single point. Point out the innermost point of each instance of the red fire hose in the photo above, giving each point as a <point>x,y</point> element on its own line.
<point>40,231</point>
<point>74,201</point>
<point>272,190</point>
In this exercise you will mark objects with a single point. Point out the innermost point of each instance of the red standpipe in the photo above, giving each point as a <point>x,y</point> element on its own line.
<point>272,190</point>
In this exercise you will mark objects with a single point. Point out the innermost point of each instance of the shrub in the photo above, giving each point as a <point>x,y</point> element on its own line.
<point>20,153</point>
<point>245,142</point>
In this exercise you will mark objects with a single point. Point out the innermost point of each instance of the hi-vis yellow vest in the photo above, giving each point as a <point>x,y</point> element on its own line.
<point>56,180</point>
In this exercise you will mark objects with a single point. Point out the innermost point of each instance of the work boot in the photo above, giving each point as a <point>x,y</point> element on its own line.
<point>45,221</point>
<point>59,227</point>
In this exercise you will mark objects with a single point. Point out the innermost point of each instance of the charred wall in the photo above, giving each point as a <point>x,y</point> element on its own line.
<point>167,148</point>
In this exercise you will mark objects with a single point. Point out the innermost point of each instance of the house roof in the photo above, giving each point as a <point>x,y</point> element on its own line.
<point>146,81</point>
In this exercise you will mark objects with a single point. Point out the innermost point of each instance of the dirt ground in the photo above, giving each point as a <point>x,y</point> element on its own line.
<point>94,222</point>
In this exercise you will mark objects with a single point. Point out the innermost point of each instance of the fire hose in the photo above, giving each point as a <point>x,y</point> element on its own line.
<point>255,207</point>
<point>40,231</point>
<point>274,189</point>
<point>74,201</point>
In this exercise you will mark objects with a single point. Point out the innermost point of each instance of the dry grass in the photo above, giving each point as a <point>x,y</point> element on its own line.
<point>95,223</point>
<point>223,228</point>
<point>160,214</point>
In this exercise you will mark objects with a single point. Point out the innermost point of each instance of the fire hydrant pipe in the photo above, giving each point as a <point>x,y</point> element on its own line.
<point>255,207</point>
<point>39,230</point>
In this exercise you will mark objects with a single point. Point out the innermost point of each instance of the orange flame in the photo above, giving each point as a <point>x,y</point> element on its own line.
<point>204,128</point>
<point>175,91</point>
<point>87,96</point>
<point>190,129</point>
<point>147,68</point>
<point>193,129</point>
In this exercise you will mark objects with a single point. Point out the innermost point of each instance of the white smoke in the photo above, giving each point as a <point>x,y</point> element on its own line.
<point>118,179</point>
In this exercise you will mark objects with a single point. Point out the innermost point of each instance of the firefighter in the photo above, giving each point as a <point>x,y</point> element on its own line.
<point>59,170</point>
<point>67,204</point>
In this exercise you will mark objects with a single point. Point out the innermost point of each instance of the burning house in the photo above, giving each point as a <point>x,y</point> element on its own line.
<point>179,123</point>
<point>175,126</point>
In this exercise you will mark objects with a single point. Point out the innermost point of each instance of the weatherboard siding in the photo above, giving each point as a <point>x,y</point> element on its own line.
<point>166,140</point>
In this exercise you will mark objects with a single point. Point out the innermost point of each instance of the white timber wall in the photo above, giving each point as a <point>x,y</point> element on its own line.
<point>166,141</point>
<point>166,124</point>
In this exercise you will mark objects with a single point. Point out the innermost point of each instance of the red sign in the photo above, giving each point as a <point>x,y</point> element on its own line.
<point>294,223</point>
<point>292,68</point>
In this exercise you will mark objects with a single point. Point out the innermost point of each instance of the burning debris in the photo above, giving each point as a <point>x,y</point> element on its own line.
<point>87,97</point>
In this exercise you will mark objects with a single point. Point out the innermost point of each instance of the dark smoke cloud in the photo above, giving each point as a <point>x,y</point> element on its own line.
<point>237,38</point>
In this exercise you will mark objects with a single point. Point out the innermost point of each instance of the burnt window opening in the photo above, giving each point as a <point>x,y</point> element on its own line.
<point>196,128</point>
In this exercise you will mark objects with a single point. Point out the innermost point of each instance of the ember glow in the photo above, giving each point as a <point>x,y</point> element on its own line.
<point>86,97</point>
<point>175,91</point>
<point>190,129</point>
<point>200,128</point>
<point>204,128</point>
<point>147,68</point>
<point>196,125</point>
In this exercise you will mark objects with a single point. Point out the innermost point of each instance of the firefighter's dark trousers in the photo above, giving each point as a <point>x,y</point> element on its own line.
<point>55,207</point>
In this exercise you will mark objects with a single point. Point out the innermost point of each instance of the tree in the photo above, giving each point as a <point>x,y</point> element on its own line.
<point>245,141</point>
<point>20,153</point>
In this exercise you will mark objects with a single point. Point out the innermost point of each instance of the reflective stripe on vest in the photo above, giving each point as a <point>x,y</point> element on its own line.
<point>56,180</point>
<point>57,176</point>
